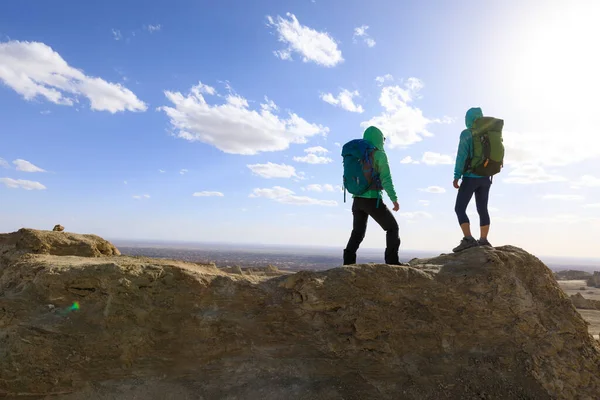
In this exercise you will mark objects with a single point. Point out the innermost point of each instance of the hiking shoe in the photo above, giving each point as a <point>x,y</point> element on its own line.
<point>484,242</point>
<point>466,243</point>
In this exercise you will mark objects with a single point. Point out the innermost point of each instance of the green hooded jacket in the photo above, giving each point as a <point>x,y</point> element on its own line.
<point>375,137</point>
<point>465,145</point>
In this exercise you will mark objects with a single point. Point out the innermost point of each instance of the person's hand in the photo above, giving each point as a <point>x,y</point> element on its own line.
<point>396,206</point>
<point>455,184</point>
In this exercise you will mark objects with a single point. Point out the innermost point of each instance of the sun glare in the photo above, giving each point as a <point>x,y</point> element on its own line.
<point>558,63</point>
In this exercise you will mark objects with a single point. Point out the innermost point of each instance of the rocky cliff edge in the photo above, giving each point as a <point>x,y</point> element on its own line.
<point>78,321</point>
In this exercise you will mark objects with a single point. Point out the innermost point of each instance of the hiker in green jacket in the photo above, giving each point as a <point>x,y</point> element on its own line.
<point>371,204</point>
<point>472,184</point>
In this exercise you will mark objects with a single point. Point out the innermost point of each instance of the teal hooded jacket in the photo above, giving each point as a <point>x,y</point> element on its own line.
<point>374,136</point>
<point>465,145</point>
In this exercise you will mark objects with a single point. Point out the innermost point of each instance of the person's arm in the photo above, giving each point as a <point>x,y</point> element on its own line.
<point>385,175</point>
<point>462,154</point>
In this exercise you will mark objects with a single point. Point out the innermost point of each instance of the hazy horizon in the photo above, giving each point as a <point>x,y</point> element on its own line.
<point>587,264</point>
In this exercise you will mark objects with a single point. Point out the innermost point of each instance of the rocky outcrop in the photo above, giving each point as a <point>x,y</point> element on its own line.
<point>58,228</point>
<point>594,280</point>
<point>481,324</point>
<point>586,304</point>
<point>572,275</point>
<point>53,243</point>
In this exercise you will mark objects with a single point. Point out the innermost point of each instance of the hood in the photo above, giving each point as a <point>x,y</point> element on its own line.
<point>473,114</point>
<point>374,136</point>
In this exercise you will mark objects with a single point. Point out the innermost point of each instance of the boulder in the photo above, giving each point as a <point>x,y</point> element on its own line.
<point>486,323</point>
<point>586,304</point>
<point>58,228</point>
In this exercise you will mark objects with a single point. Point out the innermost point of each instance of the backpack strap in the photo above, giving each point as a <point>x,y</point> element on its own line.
<point>469,159</point>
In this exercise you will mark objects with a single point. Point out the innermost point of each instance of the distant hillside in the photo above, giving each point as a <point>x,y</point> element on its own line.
<point>289,258</point>
<point>572,275</point>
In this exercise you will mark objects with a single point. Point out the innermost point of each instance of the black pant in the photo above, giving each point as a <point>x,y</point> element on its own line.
<point>481,188</point>
<point>362,208</point>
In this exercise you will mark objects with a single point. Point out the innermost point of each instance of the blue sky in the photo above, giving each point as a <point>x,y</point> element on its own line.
<point>113,116</point>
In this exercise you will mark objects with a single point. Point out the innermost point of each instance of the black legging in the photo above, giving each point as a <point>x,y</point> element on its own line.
<point>481,188</point>
<point>362,208</point>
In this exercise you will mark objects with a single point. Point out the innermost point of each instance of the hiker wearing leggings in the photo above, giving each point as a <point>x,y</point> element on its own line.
<point>471,184</point>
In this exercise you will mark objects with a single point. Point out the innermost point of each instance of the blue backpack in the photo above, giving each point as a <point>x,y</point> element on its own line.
<point>359,172</point>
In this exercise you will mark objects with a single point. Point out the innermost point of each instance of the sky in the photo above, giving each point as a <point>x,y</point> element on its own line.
<point>222,121</point>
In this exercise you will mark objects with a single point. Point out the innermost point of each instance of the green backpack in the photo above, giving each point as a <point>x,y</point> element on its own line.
<point>488,149</point>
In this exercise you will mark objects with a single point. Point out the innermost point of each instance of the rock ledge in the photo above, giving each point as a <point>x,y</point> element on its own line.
<point>481,324</point>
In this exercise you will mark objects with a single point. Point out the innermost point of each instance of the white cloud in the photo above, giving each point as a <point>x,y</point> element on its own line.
<point>338,144</point>
<point>566,197</point>
<point>431,158</point>
<point>416,215</point>
<point>272,170</point>
<point>26,166</point>
<point>201,88</point>
<point>586,181</point>
<point>140,197</point>
<point>344,100</point>
<point>153,28</point>
<point>183,171</point>
<point>162,171</point>
<point>361,32</point>
<point>315,187</point>
<point>414,85</point>
<point>45,112</point>
<point>424,203</point>
<point>408,160</point>
<point>384,78</point>
<point>402,123</point>
<point>22,184</point>
<point>528,174</point>
<point>592,205</point>
<point>433,189</point>
<point>208,194</point>
<point>548,148</point>
<point>286,196</point>
<point>117,34</point>
<point>125,182</point>
<point>313,159</point>
<point>233,127</point>
<point>33,69</point>
<point>316,150</point>
<point>311,45</point>
<point>269,105</point>
<point>4,163</point>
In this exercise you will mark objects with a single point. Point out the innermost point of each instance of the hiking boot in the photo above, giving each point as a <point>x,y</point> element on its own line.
<point>466,243</point>
<point>400,264</point>
<point>484,242</point>
<point>349,258</point>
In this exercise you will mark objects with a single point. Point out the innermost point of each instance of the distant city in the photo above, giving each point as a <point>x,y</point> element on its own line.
<point>291,258</point>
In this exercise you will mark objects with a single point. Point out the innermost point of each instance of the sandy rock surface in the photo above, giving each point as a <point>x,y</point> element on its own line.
<point>77,321</point>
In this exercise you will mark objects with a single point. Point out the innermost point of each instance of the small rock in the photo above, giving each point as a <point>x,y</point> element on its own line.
<point>58,228</point>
